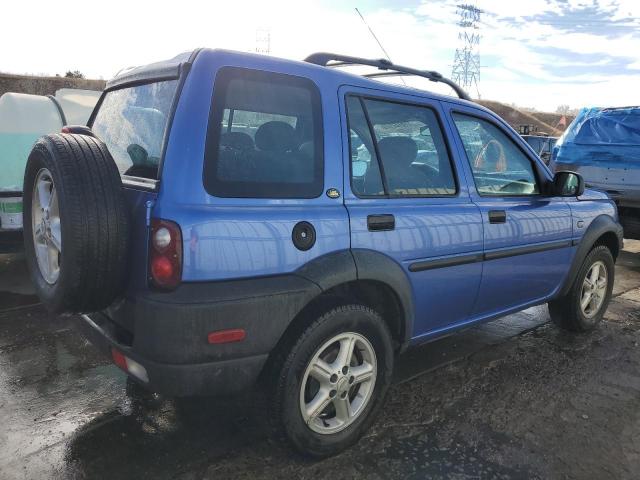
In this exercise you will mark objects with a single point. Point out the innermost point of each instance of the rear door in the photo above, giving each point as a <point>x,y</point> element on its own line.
<point>527,235</point>
<point>407,199</point>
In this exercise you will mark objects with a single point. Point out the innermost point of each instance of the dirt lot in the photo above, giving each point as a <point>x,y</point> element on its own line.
<point>515,398</point>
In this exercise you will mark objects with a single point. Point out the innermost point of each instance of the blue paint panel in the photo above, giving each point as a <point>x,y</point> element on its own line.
<point>444,296</point>
<point>242,237</point>
<point>514,281</point>
<point>426,231</point>
<point>425,228</point>
<point>586,211</point>
<point>233,242</point>
<point>530,220</point>
<point>519,279</point>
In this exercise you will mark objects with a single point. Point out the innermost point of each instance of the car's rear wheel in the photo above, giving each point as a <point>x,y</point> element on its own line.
<point>76,225</point>
<point>332,396</point>
<point>333,380</point>
<point>582,308</point>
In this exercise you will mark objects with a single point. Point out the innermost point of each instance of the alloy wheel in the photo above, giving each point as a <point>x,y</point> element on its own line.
<point>338,383</point>
<point>594,289</point>
<point>45,222</point>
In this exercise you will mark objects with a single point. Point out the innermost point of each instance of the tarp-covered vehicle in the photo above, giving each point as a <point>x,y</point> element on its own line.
<point>604,146</point>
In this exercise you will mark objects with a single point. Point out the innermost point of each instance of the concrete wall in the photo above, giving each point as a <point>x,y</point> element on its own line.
<point>44,85</point>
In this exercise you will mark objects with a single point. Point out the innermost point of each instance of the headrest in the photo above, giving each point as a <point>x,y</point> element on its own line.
<point>278,137</point>
<point>237,140</point>
<point>401,149</point>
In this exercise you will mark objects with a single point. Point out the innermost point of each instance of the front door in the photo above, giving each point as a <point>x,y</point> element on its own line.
<point>527,235</point>
<point>407,201</point>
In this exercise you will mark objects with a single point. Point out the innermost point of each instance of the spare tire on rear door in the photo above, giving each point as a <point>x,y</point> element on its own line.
<point>76,225</point>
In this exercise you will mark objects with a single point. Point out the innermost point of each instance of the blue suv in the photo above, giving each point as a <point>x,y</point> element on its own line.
<point>228,219</point>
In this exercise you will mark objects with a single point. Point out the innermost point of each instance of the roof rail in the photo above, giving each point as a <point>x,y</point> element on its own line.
<point>325,59</point>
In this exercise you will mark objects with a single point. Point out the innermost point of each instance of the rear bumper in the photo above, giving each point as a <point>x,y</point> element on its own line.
<point>213,378</point>
<point>167,333</point>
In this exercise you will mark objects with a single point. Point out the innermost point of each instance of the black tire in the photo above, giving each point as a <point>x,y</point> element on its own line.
<point>94,223</point>
<point>566,311</point>
<point>285,395</point>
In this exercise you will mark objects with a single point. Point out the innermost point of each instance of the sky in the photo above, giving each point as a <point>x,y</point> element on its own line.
<point>534,53</point>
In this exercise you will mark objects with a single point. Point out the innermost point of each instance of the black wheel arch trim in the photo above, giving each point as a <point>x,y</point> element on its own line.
<point>600,226</point>
<point>344,266</point>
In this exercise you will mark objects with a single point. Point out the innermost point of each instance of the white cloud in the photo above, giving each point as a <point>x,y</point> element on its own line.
<point>99,39</point>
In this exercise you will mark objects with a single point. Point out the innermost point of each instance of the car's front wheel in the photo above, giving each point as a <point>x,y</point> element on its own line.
<point>333,380</point>
<point>585,304</point>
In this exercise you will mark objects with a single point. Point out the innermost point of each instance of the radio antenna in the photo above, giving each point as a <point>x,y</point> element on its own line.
<point>376,39</point>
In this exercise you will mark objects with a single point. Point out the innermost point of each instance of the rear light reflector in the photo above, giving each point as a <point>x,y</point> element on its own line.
<point>226,336</point>
<point>129,365</point>
<point>165,254</point>
<point>119,359</point>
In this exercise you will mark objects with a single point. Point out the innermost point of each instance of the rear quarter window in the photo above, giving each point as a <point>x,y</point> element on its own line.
<point>265,136</point>
<point>132,122</point>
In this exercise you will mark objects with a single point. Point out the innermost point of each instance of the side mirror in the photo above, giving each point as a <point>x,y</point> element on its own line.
<point>568,184</point>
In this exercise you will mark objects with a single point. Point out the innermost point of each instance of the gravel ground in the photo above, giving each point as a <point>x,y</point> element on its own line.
<point>515,398</point>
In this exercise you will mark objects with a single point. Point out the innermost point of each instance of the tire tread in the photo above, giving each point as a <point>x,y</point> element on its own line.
<point>94,217</point>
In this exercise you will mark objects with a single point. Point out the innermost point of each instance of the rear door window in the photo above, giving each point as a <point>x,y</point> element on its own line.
<point>397,150</point>
<point>132,122</point>
<point>265,136</point>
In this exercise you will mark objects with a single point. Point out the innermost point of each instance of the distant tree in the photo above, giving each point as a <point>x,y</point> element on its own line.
<point>74,74</point>
<point>566,110</point>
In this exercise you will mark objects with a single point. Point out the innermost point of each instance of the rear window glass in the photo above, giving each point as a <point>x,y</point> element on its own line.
<point>132,123</point>
<point>265,136</point>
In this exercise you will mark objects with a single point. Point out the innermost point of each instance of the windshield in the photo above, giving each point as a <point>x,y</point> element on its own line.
<point>132,123</point>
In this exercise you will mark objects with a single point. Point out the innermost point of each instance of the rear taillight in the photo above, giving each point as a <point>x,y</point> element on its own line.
<point>165,254</point>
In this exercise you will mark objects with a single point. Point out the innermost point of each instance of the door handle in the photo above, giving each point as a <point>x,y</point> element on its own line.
<point>381,223</point>
<point>497,216</point>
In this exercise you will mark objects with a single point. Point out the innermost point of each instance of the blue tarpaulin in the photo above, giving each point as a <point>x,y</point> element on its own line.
<point>608,126</point>
<point>602,137</point>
